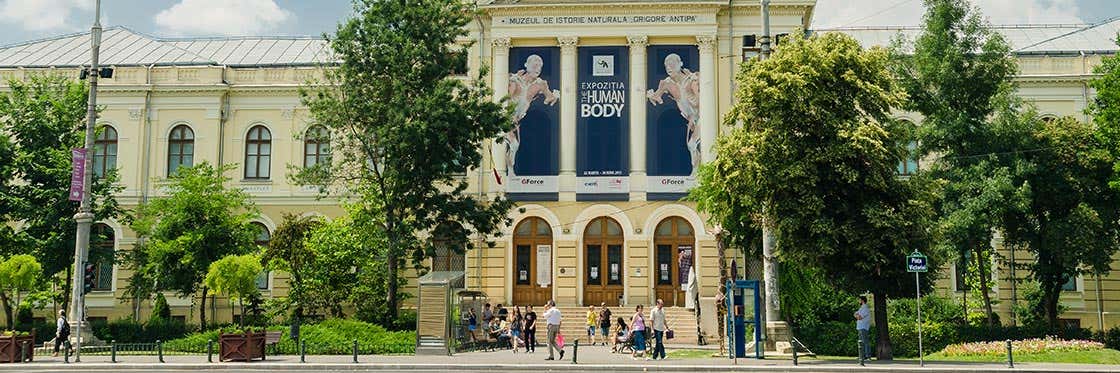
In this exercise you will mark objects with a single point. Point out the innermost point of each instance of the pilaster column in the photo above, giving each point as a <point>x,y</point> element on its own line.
<point>501,90</point>
<point>638,67</point>
<point>709,110</point>
<point>568,62</point>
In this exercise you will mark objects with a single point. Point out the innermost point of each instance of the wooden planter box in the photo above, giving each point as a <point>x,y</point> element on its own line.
<point>241,347</point>
<point>10,345</point>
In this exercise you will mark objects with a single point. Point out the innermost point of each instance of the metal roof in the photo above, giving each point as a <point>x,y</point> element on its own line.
<point>1038,38</point>
<point>122,46</point>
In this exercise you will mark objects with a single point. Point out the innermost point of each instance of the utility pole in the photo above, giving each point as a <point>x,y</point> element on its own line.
<point>776,329</point>
<point>84,217</point>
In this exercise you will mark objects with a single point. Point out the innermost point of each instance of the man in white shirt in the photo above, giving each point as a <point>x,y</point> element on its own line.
<point>863,326</point>
<point>659,328</point>
<point>552,319</point>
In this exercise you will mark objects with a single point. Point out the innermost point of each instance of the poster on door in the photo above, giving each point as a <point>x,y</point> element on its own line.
<point>533,143</point>
<point>544,265</point>
<point>603,120</point>
<point>672,117</point>
<point>684,264</point>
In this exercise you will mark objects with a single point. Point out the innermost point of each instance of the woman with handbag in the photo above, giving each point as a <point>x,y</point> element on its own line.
<point>638,332</point>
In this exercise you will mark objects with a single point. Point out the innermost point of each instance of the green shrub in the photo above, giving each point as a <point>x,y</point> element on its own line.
<point>160,310</point>
<point>832,338</point>
<point>330,337</point>
<point>1111,338</point>
<point>128,331</point>
<point>935,336</point>
<point>934,309</point>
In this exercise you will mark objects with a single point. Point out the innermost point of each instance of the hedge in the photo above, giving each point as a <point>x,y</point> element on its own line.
<point>128,331</point>
<point>330,337</point>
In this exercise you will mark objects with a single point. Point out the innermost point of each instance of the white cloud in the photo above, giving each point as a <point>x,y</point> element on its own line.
<point>846,13</point>
<point>238,17</point>
<point>41,15</point>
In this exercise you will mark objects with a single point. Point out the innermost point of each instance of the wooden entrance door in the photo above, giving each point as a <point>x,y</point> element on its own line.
<point>532,262</point>
<point>674,253</point>
<point>603,269</point>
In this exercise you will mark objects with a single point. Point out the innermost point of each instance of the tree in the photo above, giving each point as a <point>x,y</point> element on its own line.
<point>45,116</point>
<point>1068,217</point>
<point>17,274</point>
<point>161,312</point>
<point>957,76</point>
<point>1105,108</point>
<point>235,275</point>
<point>196,223</point>
<point>404,129</point>
<point>287,251</point>
<point>817,153</point>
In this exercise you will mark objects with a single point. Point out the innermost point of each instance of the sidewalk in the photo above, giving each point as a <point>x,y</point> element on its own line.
<point>596,358</point>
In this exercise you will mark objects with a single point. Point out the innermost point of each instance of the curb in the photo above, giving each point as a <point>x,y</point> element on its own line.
<point>536,367</point>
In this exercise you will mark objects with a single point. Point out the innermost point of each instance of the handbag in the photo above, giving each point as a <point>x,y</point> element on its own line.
<point>669,334</point>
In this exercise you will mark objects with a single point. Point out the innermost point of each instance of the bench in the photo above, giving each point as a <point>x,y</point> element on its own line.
<point>271,338</point>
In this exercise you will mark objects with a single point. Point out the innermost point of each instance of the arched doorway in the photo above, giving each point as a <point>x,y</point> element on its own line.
<point>532,262</point>
<point>674,254</point>
<point>602,262</point>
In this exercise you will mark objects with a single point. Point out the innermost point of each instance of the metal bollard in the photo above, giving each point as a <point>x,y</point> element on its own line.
<point>302,351</point>
<point>23,352</point>
<point>1010,359</point>
<point>66,354</point>
<point>355,351</point>
<point>860,353</point>
<point>794,349</point>
<point>575,352</point>
<point>159,350</point>
<point>210,351</point>
<point>113,350</point>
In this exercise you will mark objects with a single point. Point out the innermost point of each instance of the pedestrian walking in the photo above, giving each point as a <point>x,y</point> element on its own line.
<point>638,332</point>
<point>592,323</point>
<point>61,333</point>
<point>552,319</point>
<point>605,323</point>
<point>530,328</point>
<point>863,327</point>
<point>657,316</point>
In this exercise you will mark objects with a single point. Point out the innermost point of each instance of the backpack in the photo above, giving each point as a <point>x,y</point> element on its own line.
<point>65,330</point>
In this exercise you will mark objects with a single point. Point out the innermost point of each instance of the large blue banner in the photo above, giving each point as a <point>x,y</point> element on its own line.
<point>672,117</point>
<point>602,120</point>
<point>533,144</point>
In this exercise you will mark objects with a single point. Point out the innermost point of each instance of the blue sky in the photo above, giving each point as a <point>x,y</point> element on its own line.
<point>22,20</point>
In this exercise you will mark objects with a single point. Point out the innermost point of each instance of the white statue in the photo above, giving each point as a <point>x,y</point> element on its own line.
<point>684,88</point>
<point>524,87</point>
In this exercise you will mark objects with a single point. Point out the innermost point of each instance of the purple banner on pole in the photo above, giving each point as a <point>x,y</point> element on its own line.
<point>77,176</point>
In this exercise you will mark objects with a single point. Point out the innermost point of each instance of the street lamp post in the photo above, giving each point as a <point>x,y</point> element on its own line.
<point>84,217</point>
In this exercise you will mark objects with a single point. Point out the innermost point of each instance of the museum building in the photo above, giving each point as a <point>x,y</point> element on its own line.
<point>615,105</point>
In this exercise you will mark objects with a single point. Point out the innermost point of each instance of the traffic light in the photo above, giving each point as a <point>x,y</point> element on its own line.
<point>87,279</point>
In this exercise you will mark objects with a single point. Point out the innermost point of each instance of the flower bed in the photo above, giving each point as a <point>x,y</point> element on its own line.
<point>1027,346</point>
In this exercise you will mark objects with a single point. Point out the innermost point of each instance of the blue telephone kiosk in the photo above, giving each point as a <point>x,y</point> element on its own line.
<point>742,309</point>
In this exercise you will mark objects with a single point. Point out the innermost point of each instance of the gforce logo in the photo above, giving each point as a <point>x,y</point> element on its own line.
<point>528,181</point>
<point>672,182</point>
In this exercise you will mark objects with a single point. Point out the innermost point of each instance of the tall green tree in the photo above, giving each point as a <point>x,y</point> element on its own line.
<point>197,222</point>
<point>287,251</point>
<point>958,74</point>
<point>1105,108</point>
<point>817,151</point>
<point>235,275</point>
<point>404,128</point>
<point>18,274</point>
<point>45,116</point>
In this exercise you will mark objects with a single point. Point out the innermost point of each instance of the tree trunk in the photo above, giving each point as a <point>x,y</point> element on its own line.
<point>202,310</point>
<point>883,349</point>
<point>391,289</point>
<point>1051,296</point>
<point>242,321</point>
<point>7,309</point>
<point>985,286</point>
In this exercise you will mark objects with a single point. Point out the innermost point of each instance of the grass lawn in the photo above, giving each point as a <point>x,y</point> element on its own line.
<point>1105,356</point>
<point>691,354</point>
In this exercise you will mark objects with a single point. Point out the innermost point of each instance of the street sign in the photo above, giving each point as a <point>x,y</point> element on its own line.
<point>917,262</point>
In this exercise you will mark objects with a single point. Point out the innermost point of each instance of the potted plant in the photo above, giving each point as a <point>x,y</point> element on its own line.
<point>12,341</point>
<point>237,344</point>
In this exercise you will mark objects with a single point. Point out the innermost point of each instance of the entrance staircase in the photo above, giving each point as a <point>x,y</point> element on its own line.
<point>574,325</point>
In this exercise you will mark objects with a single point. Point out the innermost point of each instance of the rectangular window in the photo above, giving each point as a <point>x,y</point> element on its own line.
<point>524,272</point>
<point>614,265</point>
<point>664,264</point>
<point>960,272</point>
<point>262,280</point>
<point>594,265</point>
<point>1071,284</point>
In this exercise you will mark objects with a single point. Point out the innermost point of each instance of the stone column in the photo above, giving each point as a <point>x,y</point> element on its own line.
<point>638,67</point>
<point>568,81</point>
<point>709,110</point>
<point>501,89</point>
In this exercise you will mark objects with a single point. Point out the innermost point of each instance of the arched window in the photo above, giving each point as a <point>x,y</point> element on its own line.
<point>448,255</point>
<point>909,165</point>
<point>180,149</point>
<point>262,240</point>
<point>316,146</point>
<point>258,153</point>
<point>105,151</point>
<point>101,254</point>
